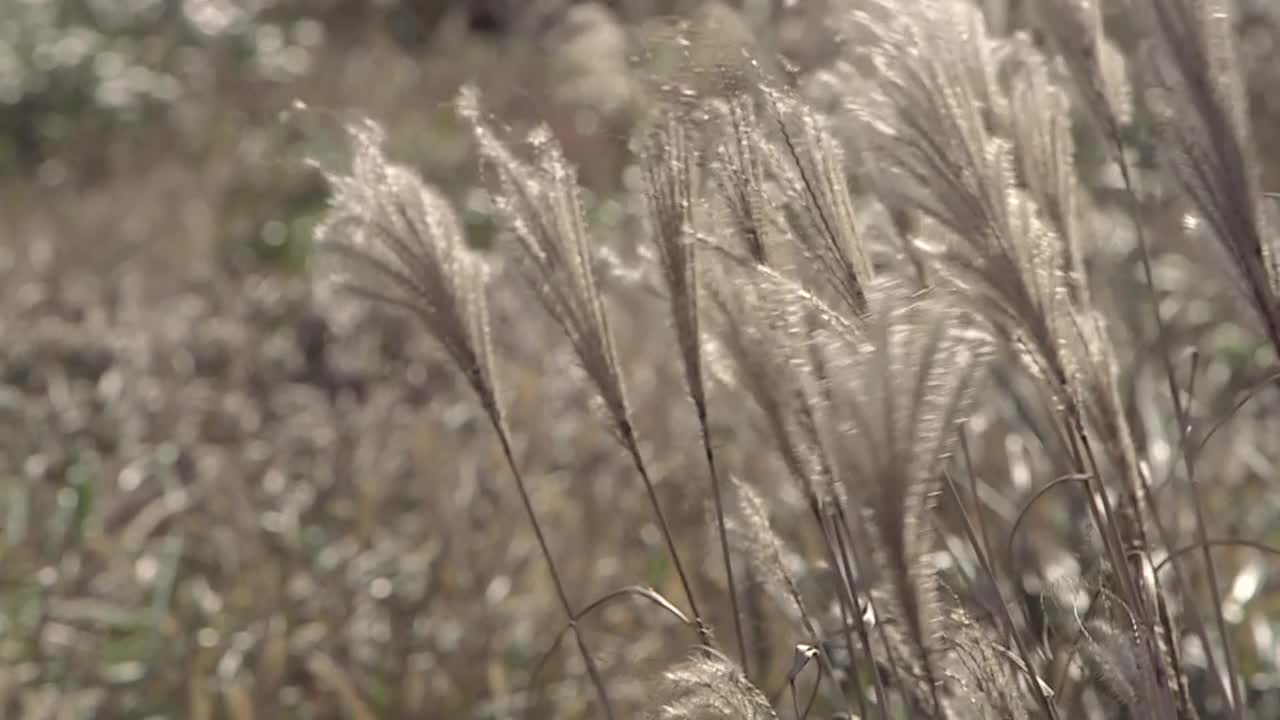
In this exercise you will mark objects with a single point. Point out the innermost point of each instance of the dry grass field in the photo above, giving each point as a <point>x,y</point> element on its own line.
<point>668,358</point>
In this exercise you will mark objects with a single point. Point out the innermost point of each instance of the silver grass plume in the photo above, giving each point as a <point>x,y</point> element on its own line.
<point>808,270</point>
<point>1100,75</point>
<point>773,564</point>
<point>1028,292</point>
<point>1077,612</point>
<point>1097,65</point>
<point>762,326</point>
<point>908,383</point>
<point>708,686</point>
<point>1005,251</point>
<point>984,673</point>
<point>540,203</point>
<point>811,171</point>
<point>1040,122</point>
<point>754,538</point>
<point>1110,654</point>
<point>928,131</point>
<point>1095,383</point>
<point>897,402</point>
<point>739,169</point>
<point>669,165</point>
<point>1093,622</point>
<point>1101,78</point>
<point>1209,149</point>
<point>396,240</point>
<point>1207,145</point>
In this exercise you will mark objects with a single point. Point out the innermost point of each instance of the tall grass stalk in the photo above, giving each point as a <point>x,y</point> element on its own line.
<point>541,207</point>
<point>399,243</point>
<point>870,335</point>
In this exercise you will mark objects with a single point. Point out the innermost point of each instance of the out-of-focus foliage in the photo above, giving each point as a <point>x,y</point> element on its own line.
<point>196,98</point>
<point>68,68</point>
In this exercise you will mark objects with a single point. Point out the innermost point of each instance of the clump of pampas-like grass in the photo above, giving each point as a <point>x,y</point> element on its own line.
<point>864,361</point>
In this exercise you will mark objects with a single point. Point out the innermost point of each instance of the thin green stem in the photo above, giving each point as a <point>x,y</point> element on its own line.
<point>633,449</point>
<point>717,494</point>
<point>592,670</point>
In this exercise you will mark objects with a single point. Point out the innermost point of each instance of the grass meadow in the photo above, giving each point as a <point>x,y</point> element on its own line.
<point>659,359</point>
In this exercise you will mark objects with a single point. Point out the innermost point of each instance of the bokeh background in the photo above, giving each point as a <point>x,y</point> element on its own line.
<point>222,495</point>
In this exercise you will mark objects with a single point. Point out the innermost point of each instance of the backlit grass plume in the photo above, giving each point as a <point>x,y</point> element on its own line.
<point>938,129</point>
<point>540,204</point>
<point>671,168</point>
<point>708,686</point>
<point>398,242</point>
<point>900,402</point>
<point>1208,142</point>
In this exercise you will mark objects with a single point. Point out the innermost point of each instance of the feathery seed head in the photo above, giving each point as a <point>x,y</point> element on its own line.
<point>898,401</point>
<point>670,164</point>
<point>391,238</point>
<point>708,685</point>
<point>540,204</point>
<point>1098,67</point>
<point>1209,148</point>
<point>753,537</point>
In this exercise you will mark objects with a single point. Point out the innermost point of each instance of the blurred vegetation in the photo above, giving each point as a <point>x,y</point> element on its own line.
<point>200,100</point>
<point>194,99</point>
<point>215,502</point>
<point>222,496</point>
